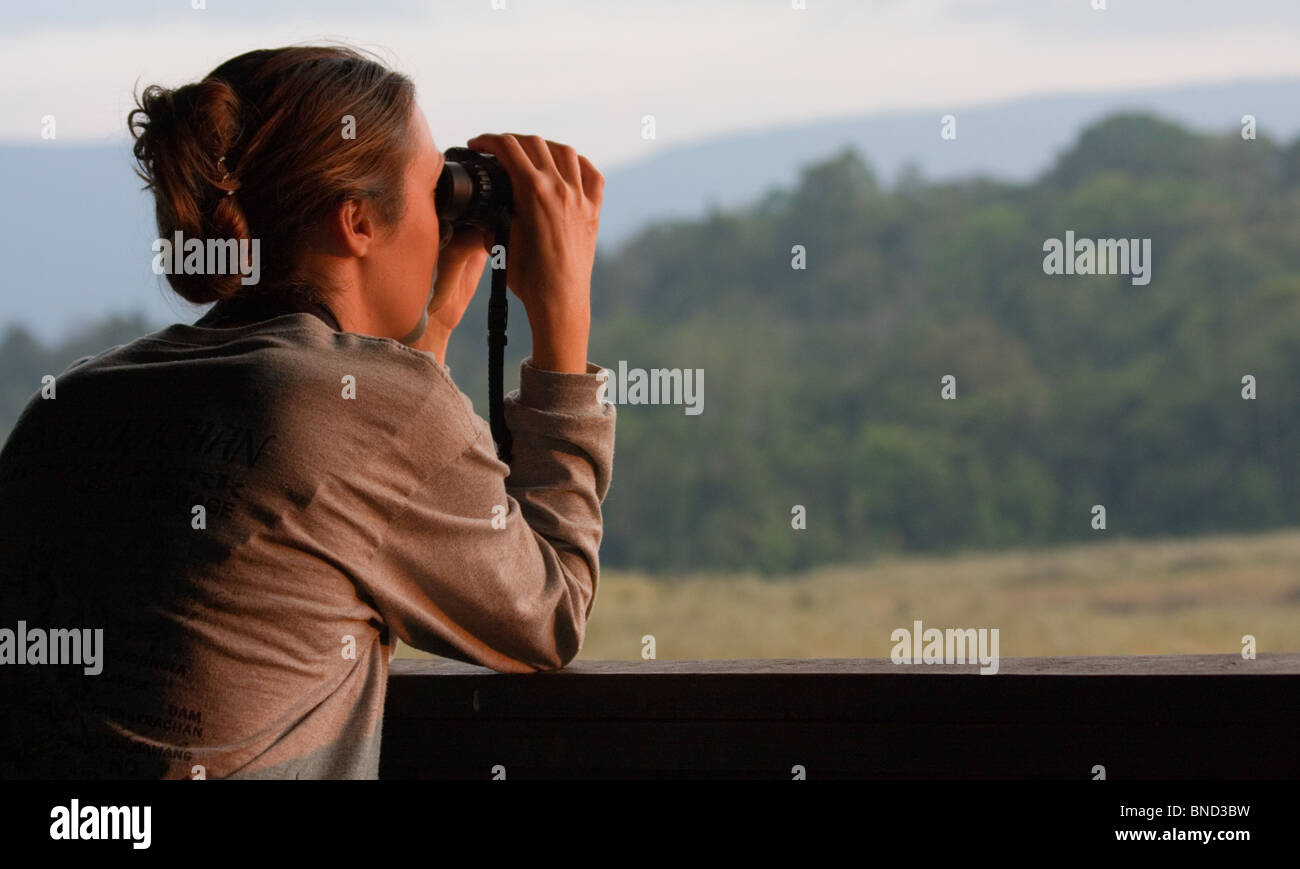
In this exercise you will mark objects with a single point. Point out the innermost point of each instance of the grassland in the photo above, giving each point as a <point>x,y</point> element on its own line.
<point>1119,597</point>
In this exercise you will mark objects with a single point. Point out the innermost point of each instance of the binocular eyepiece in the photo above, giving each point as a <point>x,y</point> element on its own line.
<point>473,190</point>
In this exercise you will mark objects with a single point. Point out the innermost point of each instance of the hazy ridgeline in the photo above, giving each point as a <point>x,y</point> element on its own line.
<point>822,385</point>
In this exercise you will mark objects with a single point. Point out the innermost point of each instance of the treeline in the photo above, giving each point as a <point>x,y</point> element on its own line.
<point>823,384</point>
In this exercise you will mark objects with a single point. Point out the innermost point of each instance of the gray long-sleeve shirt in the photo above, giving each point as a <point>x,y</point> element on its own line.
<point>350,495</point>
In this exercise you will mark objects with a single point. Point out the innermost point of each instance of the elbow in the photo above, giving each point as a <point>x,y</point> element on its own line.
<point>557,640</point>
<point>559,633</point>
<point>562,646</point>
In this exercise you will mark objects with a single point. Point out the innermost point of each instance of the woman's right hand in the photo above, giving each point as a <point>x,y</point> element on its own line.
<point>557,198</point>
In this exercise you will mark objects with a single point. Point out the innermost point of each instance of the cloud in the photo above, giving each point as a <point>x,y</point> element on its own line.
<point>586,72</point>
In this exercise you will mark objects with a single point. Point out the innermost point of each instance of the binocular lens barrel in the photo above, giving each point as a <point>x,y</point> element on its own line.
<point>473,190</point>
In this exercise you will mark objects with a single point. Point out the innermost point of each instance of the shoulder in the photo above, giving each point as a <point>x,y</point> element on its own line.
<point>292,374</point>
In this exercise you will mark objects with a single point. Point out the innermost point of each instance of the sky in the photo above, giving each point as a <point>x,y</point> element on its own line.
<point>585,72</point>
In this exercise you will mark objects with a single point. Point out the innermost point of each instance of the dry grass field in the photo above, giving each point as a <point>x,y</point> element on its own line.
<point>1120,597</point>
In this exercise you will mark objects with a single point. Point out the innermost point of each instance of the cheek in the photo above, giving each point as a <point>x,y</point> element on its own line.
<point>420,260</point>
<point>427,254</point>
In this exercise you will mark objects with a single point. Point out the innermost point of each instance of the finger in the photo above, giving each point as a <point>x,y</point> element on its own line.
<point>473,238</point>
<point>467,246</point>
<point>593,183</point>
<point>476,248</point>
<point>513,158</point>
<point>566,160</point>
<point>535,147</point>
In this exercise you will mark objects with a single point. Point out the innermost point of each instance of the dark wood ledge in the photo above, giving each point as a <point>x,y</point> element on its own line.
<point>1149,717</point>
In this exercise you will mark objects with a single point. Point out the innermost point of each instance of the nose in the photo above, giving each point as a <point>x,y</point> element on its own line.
<point>445,231</point>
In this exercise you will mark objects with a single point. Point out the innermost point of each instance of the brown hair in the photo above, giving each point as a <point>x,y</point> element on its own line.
<point>277,116</point>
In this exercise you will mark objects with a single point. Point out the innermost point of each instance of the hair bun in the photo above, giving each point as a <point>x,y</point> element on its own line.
<point>180,137</point>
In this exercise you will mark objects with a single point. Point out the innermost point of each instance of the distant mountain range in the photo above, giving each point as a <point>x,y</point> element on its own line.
<point>76,236</point>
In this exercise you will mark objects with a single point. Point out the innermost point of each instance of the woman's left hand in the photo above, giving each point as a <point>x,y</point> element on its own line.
<point>460,266</point>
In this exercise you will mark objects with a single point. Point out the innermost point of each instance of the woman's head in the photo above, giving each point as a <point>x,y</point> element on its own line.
<point>328,162</point>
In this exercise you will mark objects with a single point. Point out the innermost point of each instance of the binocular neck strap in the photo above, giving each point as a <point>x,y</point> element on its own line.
<point>498,309</point>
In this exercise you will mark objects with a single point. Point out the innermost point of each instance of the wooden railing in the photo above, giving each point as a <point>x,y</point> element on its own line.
<point>1176,716</point>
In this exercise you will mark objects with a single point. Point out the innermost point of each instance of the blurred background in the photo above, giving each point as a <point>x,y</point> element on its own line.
<point>920,152</point>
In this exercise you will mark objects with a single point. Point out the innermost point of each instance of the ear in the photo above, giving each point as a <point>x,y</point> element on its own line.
<point>352,227</point>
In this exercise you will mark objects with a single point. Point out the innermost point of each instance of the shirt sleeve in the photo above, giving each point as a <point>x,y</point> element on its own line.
<point>497,564</point>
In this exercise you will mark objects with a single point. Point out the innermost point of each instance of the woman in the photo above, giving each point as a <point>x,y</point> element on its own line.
<point>254,508</point>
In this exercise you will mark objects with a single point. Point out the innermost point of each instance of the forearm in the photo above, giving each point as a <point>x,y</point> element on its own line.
<point>502,570</point>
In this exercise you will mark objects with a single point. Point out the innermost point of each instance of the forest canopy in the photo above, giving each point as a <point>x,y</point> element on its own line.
<point>824,383</point>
